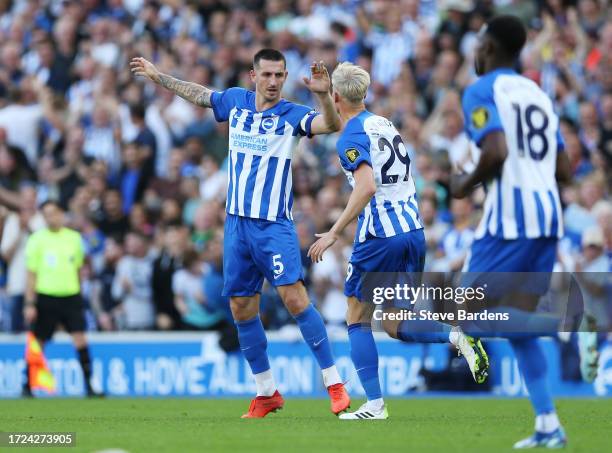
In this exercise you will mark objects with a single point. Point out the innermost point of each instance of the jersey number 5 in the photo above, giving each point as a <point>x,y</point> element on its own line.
<point>395,151</point>
<point>537,147</point>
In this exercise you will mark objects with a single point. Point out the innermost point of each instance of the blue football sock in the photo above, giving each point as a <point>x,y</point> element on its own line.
<point>253,344</point>
<point>313,330</point>
<point>532,365</point>
<point>423,331</point>
<point>521,324</point>
<point>365,358</point>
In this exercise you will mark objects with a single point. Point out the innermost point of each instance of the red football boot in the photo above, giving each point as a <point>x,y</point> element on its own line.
<point>340,400</point>
<point>263,405</point>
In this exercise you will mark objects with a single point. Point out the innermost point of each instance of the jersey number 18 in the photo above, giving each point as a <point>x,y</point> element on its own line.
<point>537,148</point>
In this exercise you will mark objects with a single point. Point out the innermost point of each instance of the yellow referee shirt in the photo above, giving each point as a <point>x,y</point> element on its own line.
<point>55,257</point>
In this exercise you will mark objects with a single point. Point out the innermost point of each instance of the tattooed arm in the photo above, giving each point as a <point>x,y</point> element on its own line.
<point>192,92</point>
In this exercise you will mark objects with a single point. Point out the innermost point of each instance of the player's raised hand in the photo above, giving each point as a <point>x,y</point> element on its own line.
<point>144,68</point>
<point>325,241</point>
<point>319,81</point>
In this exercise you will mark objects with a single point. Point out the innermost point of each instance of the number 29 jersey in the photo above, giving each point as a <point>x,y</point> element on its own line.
<point>523,201</point>
<point>373,140</point>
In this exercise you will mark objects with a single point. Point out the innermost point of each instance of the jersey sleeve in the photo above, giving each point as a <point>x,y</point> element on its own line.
<point>224,101</point>
<point>480,111</point>
<point>305,125</point>
<point>354,151</point>
<point>300,117</point>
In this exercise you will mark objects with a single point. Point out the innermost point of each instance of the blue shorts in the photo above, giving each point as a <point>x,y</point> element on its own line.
<point>258,248</point>
<point>404,252</point>
<point>530,260</point>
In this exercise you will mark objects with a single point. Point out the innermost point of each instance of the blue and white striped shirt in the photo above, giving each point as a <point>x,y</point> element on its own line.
<point>260,148</point>
<point>372,139</point>
<point>523,202</point>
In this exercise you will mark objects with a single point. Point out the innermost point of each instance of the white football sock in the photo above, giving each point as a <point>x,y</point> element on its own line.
<point>265,383</point>
<point>453,336</point>
<point>331,376</point>
<point>547,423</point>
<point>376,404</point>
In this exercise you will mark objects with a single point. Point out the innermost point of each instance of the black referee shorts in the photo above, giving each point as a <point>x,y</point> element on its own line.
<point>51,311</point>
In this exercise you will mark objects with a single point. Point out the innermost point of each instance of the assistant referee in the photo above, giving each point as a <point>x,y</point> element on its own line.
<point>54,256</point>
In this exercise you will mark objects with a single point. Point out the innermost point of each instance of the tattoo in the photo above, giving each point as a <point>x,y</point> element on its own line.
<point>192,92</point>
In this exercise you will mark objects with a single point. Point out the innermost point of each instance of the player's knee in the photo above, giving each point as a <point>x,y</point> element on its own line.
<point>243,308</point>
<point>390,326</point>
<point>358,312</point>
<point>295,299</point>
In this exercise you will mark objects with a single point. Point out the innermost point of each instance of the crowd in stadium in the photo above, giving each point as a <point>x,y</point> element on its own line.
<point>142,173</point>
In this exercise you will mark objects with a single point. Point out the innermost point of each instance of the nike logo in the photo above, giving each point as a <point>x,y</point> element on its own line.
<point>317,343</point>
<point>278,275</point>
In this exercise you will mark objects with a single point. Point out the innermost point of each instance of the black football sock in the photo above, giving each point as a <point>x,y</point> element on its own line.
<point>85,362</point>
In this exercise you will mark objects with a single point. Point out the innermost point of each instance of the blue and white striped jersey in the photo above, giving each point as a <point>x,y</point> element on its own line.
<point>372,139</point>
<point>260,148</point>
<point>523,202</point>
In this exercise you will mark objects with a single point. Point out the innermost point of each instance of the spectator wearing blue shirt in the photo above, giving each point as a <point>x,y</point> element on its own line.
<point>133,178</point>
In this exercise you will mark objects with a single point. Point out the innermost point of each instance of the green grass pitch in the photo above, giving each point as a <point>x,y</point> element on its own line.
<point>193,425</point>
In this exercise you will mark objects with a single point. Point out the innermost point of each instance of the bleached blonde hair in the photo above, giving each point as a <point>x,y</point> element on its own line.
<point>351,82</point>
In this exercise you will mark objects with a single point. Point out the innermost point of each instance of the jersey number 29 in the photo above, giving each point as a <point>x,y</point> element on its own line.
<point>395,151</point>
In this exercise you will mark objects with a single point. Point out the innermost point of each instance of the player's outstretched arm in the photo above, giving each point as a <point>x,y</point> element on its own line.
<point>364,190</point>
<point>319,84</point>
<point>492,157</point>
<point>192,92</point>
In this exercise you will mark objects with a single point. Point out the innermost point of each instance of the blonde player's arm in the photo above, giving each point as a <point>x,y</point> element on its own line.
<point>365,188</point>
<point>196,94</point>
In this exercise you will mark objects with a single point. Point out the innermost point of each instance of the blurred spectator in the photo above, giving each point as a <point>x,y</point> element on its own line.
<point>391,44</point>
<point>455,244</point>
<point>164,266</point>
<point>189,299</point>
<point>169,185</point>
<point>101,138</point>
<point>17,228</point>
<point>593,274</point>
<point>145,140</point>
<point>14,169</point>
<point>190,192</point>
<point>133,178</point>
<point>206,219</point>
<point>21,119</point>
<point>113,221</point>
<point>132,285</point>
<point>213,179</point>
<point>578,216</point>
<point>434,228</point>
<point>105,305</point>
<point>213,277</point>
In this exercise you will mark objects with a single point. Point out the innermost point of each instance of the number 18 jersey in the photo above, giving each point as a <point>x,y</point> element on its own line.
<point>523,202</point>
<point>373,140</point>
